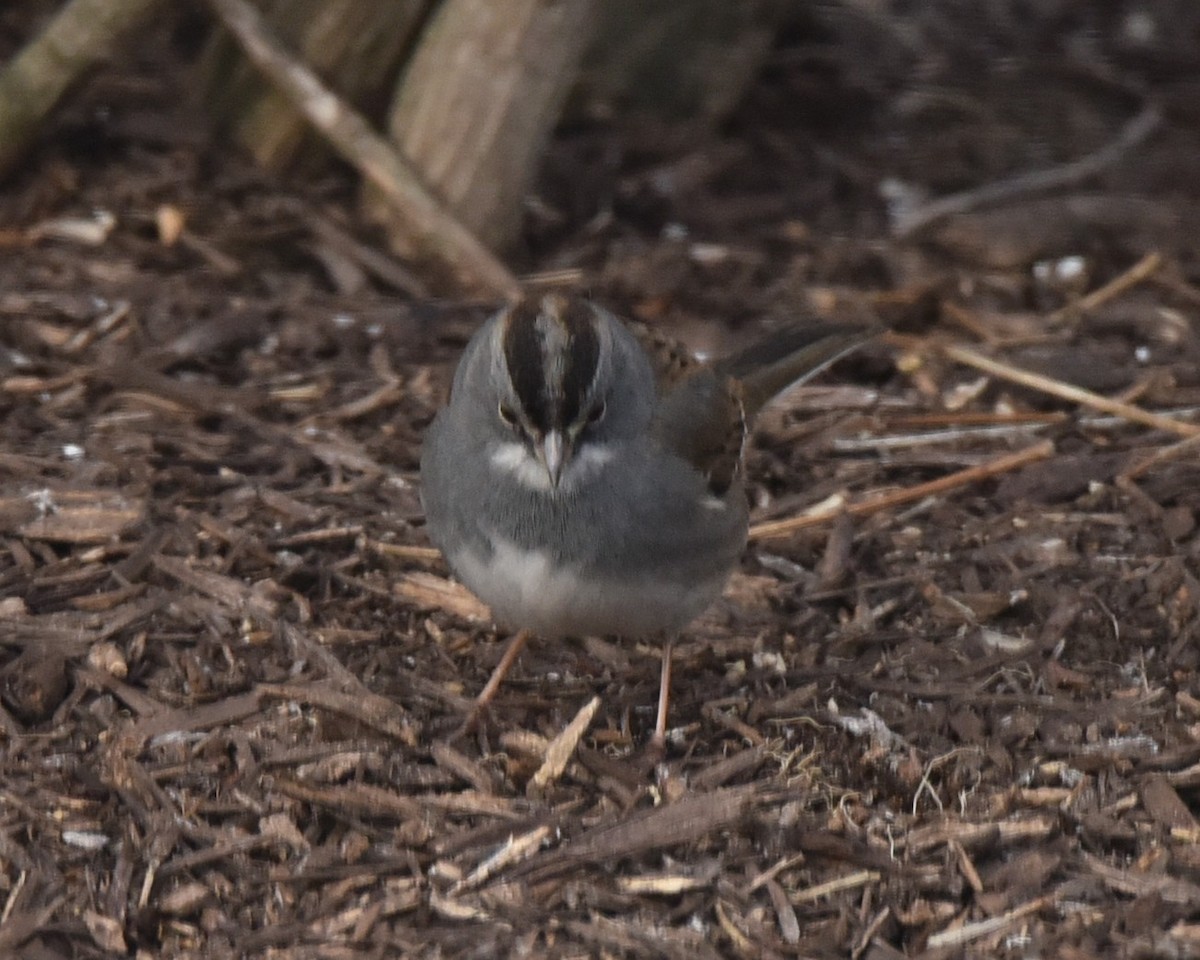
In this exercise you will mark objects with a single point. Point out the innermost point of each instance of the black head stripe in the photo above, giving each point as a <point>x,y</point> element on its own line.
<point>523,357</point>
<point>552,350</point>
<point>579,372</point>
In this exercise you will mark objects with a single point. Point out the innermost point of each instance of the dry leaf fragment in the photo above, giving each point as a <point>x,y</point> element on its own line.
<point>106,932</point>
<point>184,899</point>
<point>427,590</point>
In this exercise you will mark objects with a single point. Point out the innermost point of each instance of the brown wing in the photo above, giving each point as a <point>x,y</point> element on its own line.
<point>705,408</point>
<point>700,415</point>
<point>670,359</point>
<point>701,419</point>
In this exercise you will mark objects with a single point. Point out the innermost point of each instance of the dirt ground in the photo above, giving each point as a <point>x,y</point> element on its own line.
<point>960,717</point>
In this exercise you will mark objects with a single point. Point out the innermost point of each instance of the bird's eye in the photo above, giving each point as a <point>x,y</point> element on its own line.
<point>596,414</point>
<point>508,415</point>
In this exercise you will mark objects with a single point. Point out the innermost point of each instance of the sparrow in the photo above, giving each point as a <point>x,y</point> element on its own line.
<point>585,478</point>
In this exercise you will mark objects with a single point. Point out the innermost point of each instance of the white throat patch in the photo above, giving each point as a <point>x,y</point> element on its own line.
<point>514,458</point>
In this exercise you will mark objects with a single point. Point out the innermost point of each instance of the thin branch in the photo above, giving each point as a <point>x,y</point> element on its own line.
<point>1133,134</point>
<point>954,937</point>
<point>1163,455</point>
<point>862,508</point>
<point>1144,269</point>
<point>435,233</point>
<point>1066,391</point>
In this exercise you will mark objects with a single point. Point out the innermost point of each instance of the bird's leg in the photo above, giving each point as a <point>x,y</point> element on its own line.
<point>658,742</point>
<point>488,693</point>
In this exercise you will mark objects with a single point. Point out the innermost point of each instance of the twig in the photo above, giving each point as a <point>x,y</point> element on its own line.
<point>971,418</point>
<point>863,508</point>
<point>868,934</point>
<point>1135,132</point>
<point>958,936</point>
<point>931,438</point>
<point>1065,391</point>
<point>405,551</point>
<point>773,871</point>
<point>514,850</point>
<point>1162,455</point>
<point>859,878</point>
<point>435,233</point>
<point>1142,270</point>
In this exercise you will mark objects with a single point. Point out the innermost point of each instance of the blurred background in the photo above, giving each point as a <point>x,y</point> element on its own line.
<point>691,155</point>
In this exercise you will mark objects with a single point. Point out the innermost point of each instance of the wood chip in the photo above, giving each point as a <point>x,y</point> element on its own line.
<point>514,851</point>
<point>70,516</point>
<point>1163,804</point>
<point>427,591</point>
<point>562,747</point>
<point>688,819</point>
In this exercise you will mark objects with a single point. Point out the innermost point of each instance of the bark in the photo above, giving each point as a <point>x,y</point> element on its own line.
<point>432,233</point>
<point>479,100</point>
<point>77,39</point>
<point>354,46</point>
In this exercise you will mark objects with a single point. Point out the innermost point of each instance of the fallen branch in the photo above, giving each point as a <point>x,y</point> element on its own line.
<point>436,235</point>
<point>1135,132</point>
<point>863,508</point>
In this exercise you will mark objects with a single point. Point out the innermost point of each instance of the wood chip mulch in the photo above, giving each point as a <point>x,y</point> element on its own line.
<point>949,706</point>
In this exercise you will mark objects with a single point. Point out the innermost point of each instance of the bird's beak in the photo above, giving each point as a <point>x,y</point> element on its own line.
<point>552,453</point>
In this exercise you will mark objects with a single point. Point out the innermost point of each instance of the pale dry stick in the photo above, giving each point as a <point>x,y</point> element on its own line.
<point>971,418</point>
<point>932,438</point>
<point>11,900</point>
<point>562,747</point>
<point>773,871</point>
<point>864,508</point>
<point>851,880</point>
<point>1127,479</point>
<point>434,230</point>
<point>1177,285</point>
<point>1161,455</point>
<point>1143,270</point>
<point>404,551</point>
<point>514,851</point>
<point>973,931</point>
<point>1135,132</point>
<point>966,866</point>
<point>1065,391</point>
<point>868,934</point>
<point>663,884</point>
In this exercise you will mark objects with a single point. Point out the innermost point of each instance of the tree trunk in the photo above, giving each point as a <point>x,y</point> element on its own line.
<point>78,38</point>
<point>479,100</point>
<point>354,46</point>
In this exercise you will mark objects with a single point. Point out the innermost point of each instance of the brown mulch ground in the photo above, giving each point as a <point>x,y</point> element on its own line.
<point>959,721</point>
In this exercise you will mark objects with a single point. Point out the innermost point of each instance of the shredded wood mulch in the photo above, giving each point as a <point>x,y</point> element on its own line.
<point>949,706</point>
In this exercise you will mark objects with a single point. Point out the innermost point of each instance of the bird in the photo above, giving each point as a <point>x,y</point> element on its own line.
<point>585,476</point>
